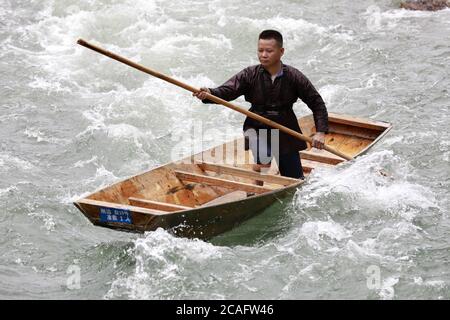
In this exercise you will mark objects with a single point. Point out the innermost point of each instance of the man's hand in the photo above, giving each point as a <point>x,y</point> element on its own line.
<point>202,93</point>
<point>318,140</point>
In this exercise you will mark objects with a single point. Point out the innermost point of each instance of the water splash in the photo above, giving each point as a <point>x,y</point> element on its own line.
<point>313,231</point>
<point>361,187</point>
<point>163,263</point>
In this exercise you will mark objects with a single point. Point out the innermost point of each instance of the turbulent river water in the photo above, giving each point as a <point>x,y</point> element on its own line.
<point>72,121</point>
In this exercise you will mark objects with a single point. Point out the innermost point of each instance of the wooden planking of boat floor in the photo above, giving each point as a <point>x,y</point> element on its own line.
<point>211,192</point>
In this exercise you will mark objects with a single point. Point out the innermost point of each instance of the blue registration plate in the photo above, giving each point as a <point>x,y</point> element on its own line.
<point>115,215</point>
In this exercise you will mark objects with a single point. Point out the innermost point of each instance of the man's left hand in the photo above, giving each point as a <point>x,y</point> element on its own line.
<point>318,140</point>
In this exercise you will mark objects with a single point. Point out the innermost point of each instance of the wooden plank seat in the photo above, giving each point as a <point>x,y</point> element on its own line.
<point>309,165</point>
<point>307,168</point>
<point>232,196</point>
<point>321,156</point>
<point>192,177</point>
<point>243,173</point>
<point>162,206</point>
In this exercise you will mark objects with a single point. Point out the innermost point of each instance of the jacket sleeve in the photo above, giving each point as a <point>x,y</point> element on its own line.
<point>232,89</point>
<point>309,95</point>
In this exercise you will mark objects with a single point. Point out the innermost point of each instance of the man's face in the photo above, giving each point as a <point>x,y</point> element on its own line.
<point>269,52</point>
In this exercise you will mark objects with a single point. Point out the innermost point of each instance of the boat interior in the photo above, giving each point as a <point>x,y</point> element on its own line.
<point>224,173</point>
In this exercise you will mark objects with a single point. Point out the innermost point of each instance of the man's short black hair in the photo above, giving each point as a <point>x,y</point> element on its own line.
<point>272,34</point>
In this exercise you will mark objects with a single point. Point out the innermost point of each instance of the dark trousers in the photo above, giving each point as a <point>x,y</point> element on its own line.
<point>289,164</point>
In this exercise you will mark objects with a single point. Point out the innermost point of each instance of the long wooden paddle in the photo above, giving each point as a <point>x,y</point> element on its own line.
<point>211,97</point>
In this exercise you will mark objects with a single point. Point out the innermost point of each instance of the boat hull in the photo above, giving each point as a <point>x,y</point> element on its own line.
<point>181,196</point>
<point>202,223</point>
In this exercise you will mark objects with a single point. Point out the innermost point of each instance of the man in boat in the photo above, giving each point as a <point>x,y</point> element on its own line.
<point>272,88</point>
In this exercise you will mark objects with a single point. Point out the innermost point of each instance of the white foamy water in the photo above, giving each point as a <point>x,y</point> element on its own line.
<point>72,121</point>
<point>163,262</point>
<point>314,231</point>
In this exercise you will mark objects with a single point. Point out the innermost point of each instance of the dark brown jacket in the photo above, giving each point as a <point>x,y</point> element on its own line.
<point>275,100</point>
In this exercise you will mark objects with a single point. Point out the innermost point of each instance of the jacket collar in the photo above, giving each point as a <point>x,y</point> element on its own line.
<point>280,73</point>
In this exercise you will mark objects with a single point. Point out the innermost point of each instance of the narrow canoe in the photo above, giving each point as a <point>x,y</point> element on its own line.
<point>211,192</point>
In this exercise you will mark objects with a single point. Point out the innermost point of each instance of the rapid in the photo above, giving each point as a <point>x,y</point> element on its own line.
<point>72,121</point>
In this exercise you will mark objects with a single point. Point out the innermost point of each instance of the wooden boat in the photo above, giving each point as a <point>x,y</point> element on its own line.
<point>213,191</point>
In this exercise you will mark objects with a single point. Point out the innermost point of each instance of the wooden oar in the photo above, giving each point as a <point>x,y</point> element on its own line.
<point>211,97</point>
